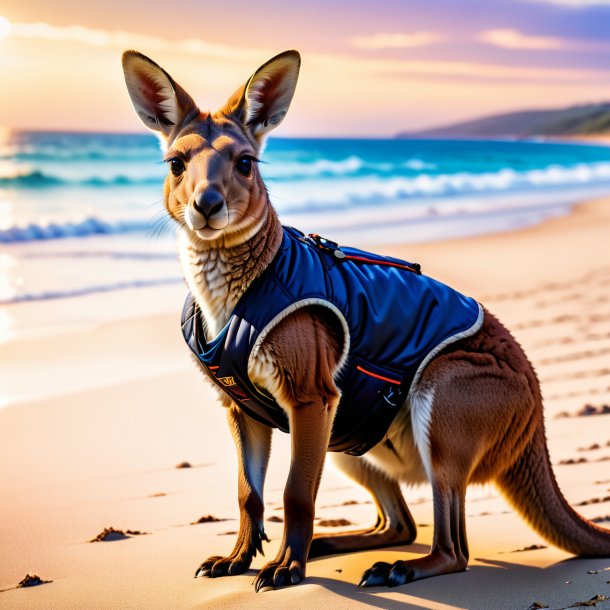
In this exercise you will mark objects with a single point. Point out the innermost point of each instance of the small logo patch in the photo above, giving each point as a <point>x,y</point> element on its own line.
<point>227,381</point>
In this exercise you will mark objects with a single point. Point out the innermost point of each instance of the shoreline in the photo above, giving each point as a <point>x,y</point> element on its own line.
<point>151,261</point>
<point>443,212</point>
<point>105,455</point>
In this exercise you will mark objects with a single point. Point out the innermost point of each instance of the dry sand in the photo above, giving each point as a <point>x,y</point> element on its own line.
<point>74,464</point>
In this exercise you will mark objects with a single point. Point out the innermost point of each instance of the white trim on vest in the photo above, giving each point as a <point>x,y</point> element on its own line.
<point>291,309</point>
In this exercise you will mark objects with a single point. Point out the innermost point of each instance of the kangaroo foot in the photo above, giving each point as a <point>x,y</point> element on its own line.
<point>402,572</point>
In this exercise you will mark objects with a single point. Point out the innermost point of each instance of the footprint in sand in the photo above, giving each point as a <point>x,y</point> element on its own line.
<point>334,522</point>
<point>601,519</point>
<point>572,461</point>
<point>593,501</point>
<point>532,547</point>
<point>587,411</point>
<point>275,519</point>
<point>30,580</point>
<point>207,519</point>
<point>110,534</point>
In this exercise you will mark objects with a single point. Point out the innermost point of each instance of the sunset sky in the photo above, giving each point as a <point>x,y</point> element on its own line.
<point>366,71</point>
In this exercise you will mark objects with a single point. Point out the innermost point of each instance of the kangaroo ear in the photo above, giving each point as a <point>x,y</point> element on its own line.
<point>159,101</point>
<point>262,103</point>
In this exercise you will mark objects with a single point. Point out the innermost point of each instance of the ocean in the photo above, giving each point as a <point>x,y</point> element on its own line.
<point>81,213</point>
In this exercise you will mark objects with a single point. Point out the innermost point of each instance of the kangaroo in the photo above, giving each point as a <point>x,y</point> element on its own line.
<point>287,351</point>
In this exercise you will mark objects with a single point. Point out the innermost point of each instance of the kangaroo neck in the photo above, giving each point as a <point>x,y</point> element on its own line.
<point>218,275</point>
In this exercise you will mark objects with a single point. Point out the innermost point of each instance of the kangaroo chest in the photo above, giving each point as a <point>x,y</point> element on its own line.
<point>394,320</point>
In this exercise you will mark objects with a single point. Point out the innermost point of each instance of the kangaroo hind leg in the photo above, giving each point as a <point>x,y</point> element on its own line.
<point>449,551</point>
<point>394,526</point>
<point>449,464</point>
<point>470,410</point>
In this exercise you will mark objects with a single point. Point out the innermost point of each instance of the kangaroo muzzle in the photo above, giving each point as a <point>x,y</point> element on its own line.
<point>207,208</point>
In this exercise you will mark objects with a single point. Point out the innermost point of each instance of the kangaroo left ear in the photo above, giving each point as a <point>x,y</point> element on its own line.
<point>263,102</point>
<point>161,103</point>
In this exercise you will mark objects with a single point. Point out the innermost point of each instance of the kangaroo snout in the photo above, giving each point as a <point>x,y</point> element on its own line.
<point>208,202</point>
<point>207,208</point>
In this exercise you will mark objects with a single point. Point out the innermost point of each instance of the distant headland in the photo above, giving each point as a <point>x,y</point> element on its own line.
<point>588,121</point>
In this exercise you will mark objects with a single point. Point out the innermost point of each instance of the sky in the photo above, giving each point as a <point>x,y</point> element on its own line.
<point>368,68</point>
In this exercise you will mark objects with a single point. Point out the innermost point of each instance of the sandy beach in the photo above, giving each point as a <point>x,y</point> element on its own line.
<point>103,452</point>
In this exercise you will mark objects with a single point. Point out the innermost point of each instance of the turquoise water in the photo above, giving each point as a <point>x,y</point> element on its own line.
<point>56,185</point>
<point>80,214</point>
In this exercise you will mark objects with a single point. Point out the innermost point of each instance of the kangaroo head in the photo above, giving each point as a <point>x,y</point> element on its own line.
<point>213,187</point>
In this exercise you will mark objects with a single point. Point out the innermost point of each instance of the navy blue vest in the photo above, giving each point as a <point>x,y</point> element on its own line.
<point>394,320</point>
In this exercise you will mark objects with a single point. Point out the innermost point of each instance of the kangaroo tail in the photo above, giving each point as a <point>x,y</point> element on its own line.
<point>530,486</point>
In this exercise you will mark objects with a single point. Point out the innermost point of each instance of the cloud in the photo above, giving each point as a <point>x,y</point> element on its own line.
<point>384,40</point>
<point>122,39</point>
<point>318,62</point>
<point>512,39</point>
<point>5,26</point>
<point>456,69</point>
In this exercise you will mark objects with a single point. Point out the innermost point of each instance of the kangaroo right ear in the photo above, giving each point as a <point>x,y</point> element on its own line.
<point>261,104</point>
<point>159,101</point>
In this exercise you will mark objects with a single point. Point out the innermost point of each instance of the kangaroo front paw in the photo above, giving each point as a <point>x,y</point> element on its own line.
<point>216,566</point>
<point>239,560</point>
<point>280,572</point>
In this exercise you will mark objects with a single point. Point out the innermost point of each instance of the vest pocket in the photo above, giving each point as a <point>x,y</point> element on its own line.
<point>371,396</point>
<point>378,383</point>
<point>382,375</point>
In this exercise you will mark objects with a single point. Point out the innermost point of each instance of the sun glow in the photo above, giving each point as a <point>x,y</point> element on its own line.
<point>5,26</point>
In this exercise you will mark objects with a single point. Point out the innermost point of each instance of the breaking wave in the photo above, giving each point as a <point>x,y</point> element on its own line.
<point>83,228</point>
<point>375,189</point>
<point>38,179</point>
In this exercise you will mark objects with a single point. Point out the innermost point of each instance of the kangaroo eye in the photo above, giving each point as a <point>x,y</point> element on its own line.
<point>244,166</point>
<point>176,166</point>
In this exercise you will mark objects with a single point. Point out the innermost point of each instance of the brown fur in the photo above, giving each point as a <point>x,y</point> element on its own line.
<point>474,415</point>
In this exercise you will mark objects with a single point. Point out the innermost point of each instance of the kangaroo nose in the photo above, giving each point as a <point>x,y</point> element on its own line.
<point>208,202</point>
